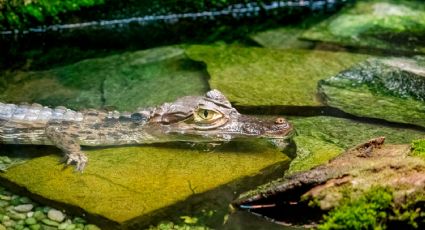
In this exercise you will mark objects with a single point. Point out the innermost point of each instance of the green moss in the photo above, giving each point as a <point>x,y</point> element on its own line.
<point>418,148</point>
<point>366,212</point>
<point>286,77</point>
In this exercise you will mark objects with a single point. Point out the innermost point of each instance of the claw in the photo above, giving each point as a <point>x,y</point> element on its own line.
<point>79,159</point>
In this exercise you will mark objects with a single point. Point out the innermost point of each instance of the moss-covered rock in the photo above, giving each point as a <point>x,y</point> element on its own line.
<point>133,186</point>
<point>392,89</point>
<point>322,138</point>
<point>125,81</point>
<point>384,24</point>
<point>258,76</point>
<point>371,185</point>
<point>282,38</point>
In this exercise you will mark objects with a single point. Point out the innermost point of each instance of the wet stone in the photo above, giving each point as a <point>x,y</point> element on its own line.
<point>55,215</point>
<point>382,24</point>
<point>23,208</point>
<point>392,89</point>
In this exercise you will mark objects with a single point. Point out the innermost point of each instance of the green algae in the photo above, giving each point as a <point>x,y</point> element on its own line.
<point>418,148</point>
<point>366,212</point>
<point>125,81</point>
<point>322,138</point>
<point>390,89</point>
<point>259,76</point>
<point>383,24</point>
<point>145,180</point>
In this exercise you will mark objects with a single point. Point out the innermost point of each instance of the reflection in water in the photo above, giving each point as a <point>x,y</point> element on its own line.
<point>251,9</point>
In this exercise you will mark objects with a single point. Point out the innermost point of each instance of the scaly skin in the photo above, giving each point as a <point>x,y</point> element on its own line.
<point>208,119</point>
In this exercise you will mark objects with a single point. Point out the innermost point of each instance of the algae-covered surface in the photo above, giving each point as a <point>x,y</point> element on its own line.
<point>125,81</point>
<point>128,183</point>
<point>322,138</point>
<point>282,38</point>
<point>342,184</point>
<point>384,24</point>
<point>392,89</point>
<point>259,76</point>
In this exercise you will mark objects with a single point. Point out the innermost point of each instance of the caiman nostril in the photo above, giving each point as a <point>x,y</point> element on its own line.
<point>279,120</point>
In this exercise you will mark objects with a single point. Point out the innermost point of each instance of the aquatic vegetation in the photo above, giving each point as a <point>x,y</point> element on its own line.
<point>369,211</point>
<point>20,13</point>
<point>418,148</point>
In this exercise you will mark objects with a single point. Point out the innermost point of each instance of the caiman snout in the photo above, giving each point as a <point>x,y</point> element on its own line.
<point>267,128</point>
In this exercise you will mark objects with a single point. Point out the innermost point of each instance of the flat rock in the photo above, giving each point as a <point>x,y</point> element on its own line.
<point>392,89</point>
<point>267,77</point>
<point>130,187</point>
<point>124,81</point>
<point>383,24</point>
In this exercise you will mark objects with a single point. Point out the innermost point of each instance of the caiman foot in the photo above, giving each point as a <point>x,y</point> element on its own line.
<point>78,159</point>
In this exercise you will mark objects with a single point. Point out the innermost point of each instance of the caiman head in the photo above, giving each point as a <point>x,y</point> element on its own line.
<point>210,118</point>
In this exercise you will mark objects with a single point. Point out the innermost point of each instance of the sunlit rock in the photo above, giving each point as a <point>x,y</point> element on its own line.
<point>392,89</point>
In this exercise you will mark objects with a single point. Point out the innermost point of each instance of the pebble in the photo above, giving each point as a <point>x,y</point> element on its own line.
<point>71,227</point>
<point>3,203</point>
<point>35,227</point>
<point>55,215</point>
<point>91,227</point>
<point>50,222</point>
<point>63,226</point>
<point>24,208</point>
<point>31,221</point>
<point>30,214</point>
<point>17,216</point>
<point>39,215</point>
<point>2,227</point>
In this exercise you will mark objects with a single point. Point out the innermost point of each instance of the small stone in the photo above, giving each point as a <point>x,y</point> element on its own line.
<point>31,221</point>
<point>17,216</point>
<point>46,209</point>
<point>71,227</point>
<point>91,227</point>
<point>39,215</point>
<point>5,197</point>
<point>63,226</point>
<point>50,222</point>
<point>3,203</point>
<point>35,227</point>
<point>8,223</point>
<point>30,214</point>
<point>24,208</point>
<point>5,218</point>
<point>2,227</point>
<point>47,227</point>
<point>80,226</point>
<point>56,215</point>
<point>19,227</point>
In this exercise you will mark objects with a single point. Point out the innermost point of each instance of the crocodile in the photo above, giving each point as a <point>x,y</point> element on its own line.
<point>195,119</point>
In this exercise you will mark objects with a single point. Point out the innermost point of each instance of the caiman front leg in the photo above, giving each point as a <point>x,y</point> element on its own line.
<point>68,143</point>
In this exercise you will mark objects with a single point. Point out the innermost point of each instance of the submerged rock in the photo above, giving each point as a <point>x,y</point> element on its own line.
<point>389,88</point>
<point>267,77</point>
<point>125,81</point>
<point>131,187</point>
<point>347,177</point>
<point>383,24</point>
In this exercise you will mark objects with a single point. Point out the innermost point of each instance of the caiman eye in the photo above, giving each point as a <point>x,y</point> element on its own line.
<point>206,115</point>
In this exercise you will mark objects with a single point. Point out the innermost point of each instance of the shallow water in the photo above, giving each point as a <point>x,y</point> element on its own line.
<point>301,60</point>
